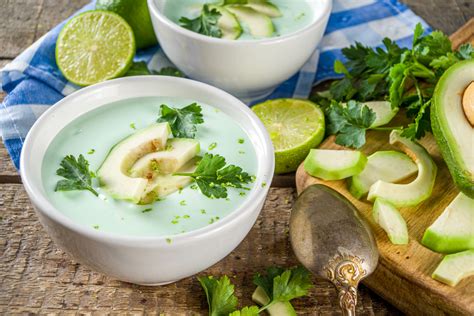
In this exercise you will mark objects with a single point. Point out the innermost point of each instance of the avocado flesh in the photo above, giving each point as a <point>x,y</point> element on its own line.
<point>389,166</point>
<point>453,268</point>
<point>334,164</point>
<point>228,23</point>
<point>390,219</point>
<point>453,231</point>
<point>177,153</point>
<point>113,173</point>
<point>416,191</point>
<point>260,297</point>
<point>259,24</point>
<point>265,7</point>
<point>451,128</point>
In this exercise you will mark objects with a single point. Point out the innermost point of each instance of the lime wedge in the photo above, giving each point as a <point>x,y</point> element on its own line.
<point>295,126</point>
<point>95,46</point>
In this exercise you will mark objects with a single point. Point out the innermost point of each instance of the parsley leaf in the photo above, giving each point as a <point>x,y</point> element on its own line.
<point>284,285</point>
<point>246,311</point>
<point>140,68</point>
<point>220,295</point>
<point>76,173</point>
<point>182,121</point>
<point>213,176</point>
<point>349,122</point>
<point>205,24</point>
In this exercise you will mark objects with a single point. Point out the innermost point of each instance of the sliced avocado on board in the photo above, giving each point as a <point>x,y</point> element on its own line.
<point>418,190</point>
<point>113,173</point>
<point>390,219</point>
<point>453,231</point>
<point>453,268</point>
<point>330,164</point>
<point>451,125</point>
<point>389,166</point>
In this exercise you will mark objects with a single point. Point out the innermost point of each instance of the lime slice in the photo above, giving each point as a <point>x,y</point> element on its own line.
<point>295,126</point>
<point>95,46</point>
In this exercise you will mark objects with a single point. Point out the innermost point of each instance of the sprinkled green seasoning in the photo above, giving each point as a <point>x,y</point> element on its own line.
<point>212,146</point>
<point>203,211</point>
<point>241,152</point>
<point>90,152</point>
<point>194,187</point>
<point>147,210</point>
<point>264,184</point>
<point>96,226</point>
<point>186,216</point>
<point>132,126</point>
<point>241,140</point>
<point>182,202</point>
<point>168,240</point>
<point>154,166</point>
<point>214,219</point>
<point>242,193</point>
<point>174,222</point>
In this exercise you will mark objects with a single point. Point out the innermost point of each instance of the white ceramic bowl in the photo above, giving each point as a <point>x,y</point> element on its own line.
<point>249,68</point>
<point>145,260</point>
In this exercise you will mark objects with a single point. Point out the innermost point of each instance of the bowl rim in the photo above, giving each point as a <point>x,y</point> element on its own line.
<point>154,12</point>
<point>44,206</point>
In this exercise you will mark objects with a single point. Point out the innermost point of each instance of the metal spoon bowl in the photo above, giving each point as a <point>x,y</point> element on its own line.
<point>331,240</point>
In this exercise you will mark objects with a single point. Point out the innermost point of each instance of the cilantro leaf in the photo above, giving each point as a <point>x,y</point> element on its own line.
<point>139,68</point>
<point>284,285</point>
<point>182,121</point>
<point>213,177</point>
<point>76,173</point>
<point>349,122</point>
<point>246,311</point>
<point>205,24</point>
<point>220,295</point>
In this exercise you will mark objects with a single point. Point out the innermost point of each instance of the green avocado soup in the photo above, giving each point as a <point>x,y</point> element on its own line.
<point>294,15</point>
<point>96,132</point>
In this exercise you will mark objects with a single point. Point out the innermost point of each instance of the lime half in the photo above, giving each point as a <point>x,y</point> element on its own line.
<point>295,126</point>
<point>95,46</point>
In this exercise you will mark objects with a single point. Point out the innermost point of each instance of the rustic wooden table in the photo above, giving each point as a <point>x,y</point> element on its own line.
<point>36,277</point>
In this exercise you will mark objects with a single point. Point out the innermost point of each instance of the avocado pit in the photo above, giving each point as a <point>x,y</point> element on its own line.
<point>468,103</point>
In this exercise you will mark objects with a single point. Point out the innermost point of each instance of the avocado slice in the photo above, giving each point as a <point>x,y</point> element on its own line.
<point>260,297</point>
<point>330,164</point>
<point>453,231</point>
<point>228,23</point>
<point>178,152</point>
<point>451,128</point>
<point>259,25</point>
<point>265,7</point>
<point>453,268</point>
<point>390,219</point>
<point>113,173</point>
<point>389,166</point>
<point>414,192</point>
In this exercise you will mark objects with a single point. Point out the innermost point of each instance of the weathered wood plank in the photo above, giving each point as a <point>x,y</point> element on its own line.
<point>36,277</point>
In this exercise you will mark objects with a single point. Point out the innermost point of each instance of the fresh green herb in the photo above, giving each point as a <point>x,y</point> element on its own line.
<point>182,121</point>
<point>241,140</point>
<point>213,176</point>
<point>132,126</point>
<point>169,71</point>
<point>140,68</point>
<point>205,24</point>
<point>349,122</point>
<point>194,187</point>
<point>246,311</point>
<point>174,221</point>
<point>283,285</point>
<point>203,211</point>
<point>91,151</point>
<point>212,146</point>
<point>147,210</point>
<point>186,216</point>
<point>168,240</point>
<point>76,173</point>
<point>220,295</point>
<point>95,226</point>
<point>242,194</point>
<point>182,202</point>
<point>406,77</point>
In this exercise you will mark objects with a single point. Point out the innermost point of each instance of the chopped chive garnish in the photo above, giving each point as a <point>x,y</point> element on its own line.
<point>242,193</point>
<point>264,184</point>
<point>174,222</point>
<point>96,226</point>
<point>168,240</point>
<point>212,146</point>
<point>182,203</point>
<point>241,140</point>
<point>241,152</point>
<point>132,126</point>
<point>203,211</point>
<point>91,151</point>
<point>186,216</point>
<point>147,210</point>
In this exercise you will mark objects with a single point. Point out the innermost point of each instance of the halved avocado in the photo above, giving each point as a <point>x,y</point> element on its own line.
<point>453,268</point>
<point>451,128</point>
<point>453,231</point>
<point>113,173</point>
<point>416,191</point>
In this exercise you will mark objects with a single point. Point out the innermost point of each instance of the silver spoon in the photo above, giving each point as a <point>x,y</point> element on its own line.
<point>331,240</point>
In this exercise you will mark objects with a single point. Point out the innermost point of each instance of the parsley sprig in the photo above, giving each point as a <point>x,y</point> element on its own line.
<point>213,176</point>
<point>279,284</point>
<point>405,77</point>
<point>76,174</point>
<point>182,121</point>
<point>205,24</point>
<point>140,68</point>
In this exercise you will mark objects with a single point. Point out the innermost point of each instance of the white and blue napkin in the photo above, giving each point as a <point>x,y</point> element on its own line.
<point>32,82</point>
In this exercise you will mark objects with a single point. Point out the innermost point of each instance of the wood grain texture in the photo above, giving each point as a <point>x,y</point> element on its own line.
<point>36,277</point>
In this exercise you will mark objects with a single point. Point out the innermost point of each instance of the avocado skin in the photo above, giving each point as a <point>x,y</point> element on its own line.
<point>463,179</point>
<point>446,244</point>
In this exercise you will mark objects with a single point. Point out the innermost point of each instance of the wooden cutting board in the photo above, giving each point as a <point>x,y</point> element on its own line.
<point>403,276</point>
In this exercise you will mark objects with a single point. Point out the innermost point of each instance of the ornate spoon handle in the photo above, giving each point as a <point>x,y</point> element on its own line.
<point>345,271</point>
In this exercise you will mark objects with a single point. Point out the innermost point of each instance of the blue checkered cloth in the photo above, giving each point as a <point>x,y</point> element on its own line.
<point>33,82</point>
